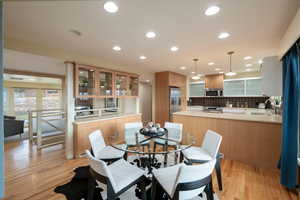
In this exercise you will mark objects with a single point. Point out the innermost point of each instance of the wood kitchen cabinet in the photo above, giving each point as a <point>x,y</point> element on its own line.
<point>214,81</point>
<point>85,82</point>
<point>163,81</point>
<point>95,82</point>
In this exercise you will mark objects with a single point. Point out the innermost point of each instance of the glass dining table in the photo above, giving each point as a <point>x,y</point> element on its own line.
<point>148,156</point>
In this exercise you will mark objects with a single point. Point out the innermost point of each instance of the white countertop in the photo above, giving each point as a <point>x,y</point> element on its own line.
<point>246,116</point>
<point>102,118</point>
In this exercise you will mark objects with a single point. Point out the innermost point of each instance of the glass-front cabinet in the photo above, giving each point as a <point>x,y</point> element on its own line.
<point>94,82</point>
<point>121,85</point>
<point>85,82</point>
<point>133,86</point>
<point>105,83</point>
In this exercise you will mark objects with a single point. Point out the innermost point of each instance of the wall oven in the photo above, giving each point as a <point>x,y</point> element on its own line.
<point>214,92</point>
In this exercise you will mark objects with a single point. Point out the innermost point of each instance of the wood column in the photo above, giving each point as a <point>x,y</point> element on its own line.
<point>69,101</point>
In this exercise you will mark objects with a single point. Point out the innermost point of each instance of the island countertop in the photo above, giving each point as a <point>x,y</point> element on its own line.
<point>248,115</point>
<point>103,118</point>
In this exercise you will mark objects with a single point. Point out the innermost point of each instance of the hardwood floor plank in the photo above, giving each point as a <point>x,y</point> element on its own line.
<point>33,175</point>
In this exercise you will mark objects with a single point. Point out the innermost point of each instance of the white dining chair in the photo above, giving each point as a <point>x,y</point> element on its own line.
<point>207,152</point>
<point>181,181</point>
<point>101,151</point>
<point>130,130</point>
<point>174,133</point>
<point>118,177</point>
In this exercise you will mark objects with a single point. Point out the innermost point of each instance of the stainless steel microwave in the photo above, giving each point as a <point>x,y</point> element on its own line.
<point>214,92</point>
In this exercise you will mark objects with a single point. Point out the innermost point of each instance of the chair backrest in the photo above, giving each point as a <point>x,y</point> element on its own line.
<point>212,142</point>
<point>130,129</point>
<point>101,168</point>
<point>174,130</point>
<point>192,173</point>
<point>97,141</point>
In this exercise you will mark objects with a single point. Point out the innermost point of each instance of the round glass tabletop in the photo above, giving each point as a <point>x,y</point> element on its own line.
<point>141,144</point>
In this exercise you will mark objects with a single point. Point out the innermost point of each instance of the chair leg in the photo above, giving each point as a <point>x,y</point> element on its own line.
<point>219,174</point>
<point>154,147</point>
<point>153,189</point>
<point>176,156</point>
<point>180,157</point>
<point>148,146</point>
<point>143,190</point>
<point>209,191</point>
<point>166,155</point>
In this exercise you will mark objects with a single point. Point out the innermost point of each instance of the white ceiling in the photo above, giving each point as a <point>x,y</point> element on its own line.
<point>256,27</point>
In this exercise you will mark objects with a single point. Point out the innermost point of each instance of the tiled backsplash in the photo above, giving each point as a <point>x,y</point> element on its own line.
<point>252,102</point>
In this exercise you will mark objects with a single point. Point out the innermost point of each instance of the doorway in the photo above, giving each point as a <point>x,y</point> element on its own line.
<point>145,93</point>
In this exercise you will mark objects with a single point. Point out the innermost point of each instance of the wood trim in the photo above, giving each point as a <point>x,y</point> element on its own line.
<point>30,73</point>
<point>103,68</point>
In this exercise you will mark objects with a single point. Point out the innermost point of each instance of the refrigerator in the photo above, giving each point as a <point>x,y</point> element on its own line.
<point>175,100</point>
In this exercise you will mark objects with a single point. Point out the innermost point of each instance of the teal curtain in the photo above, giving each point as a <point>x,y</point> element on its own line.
<point>290,125</point>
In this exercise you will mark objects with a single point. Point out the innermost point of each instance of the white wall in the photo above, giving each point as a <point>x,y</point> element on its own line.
<point>290,36</point>
<point>29,62</point>
<point>272,76</point>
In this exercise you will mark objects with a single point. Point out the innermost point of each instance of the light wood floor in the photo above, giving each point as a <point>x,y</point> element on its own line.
<point>34,175</point>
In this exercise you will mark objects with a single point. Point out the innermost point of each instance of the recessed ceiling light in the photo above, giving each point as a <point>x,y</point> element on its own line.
<point>248,70</point>
<point>248,65</point>
<point>230,74</point>
<point>183,68</point>
<point>223,35</point>
<point>195,77</point>
<point>111,7</point>
<point>117,48</point>
<point>193,72</point>
<point>217,69</point>
<point>143,57</point>
<point>150,34</point>
<point>260,61</point>
<point>174,48</point>
<point>212,10</point>
<point>211,63</point>
<point>247,58</point>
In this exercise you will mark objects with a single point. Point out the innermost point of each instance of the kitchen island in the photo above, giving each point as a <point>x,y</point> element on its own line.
<point>111,126</point>
<point>251,137</point>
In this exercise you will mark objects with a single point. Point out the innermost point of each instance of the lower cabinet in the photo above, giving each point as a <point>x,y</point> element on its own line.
<point>109,127</point>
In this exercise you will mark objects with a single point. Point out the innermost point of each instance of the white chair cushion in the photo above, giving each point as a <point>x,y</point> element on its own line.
<point>167,177</point>
<point>124,173</point>
<point>299,162</point>
<point>162,142</point>
<point>196,153</point>
<point>109,152</point>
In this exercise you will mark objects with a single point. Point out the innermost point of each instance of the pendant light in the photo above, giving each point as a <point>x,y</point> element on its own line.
<point>195,77</point>
<point>230,73</point>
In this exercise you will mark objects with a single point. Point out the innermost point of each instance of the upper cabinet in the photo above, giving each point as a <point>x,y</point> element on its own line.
<point>133,86</point>
<point>214,81</point>
<point>121,85</point>
<point>106,83</point>
<point>177,80</point>
<point>85,82</point>
<point>94,82</point>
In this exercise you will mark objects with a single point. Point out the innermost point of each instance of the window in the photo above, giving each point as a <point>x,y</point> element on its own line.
<point>52,99</point>
<point>243,87</point>
<point>25,100</point>
<point>197,89</point>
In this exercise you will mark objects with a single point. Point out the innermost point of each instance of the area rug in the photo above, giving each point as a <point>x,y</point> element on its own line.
<point>76,189</point>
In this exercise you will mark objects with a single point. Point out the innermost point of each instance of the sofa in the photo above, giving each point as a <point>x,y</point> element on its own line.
<point>12,126</point>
